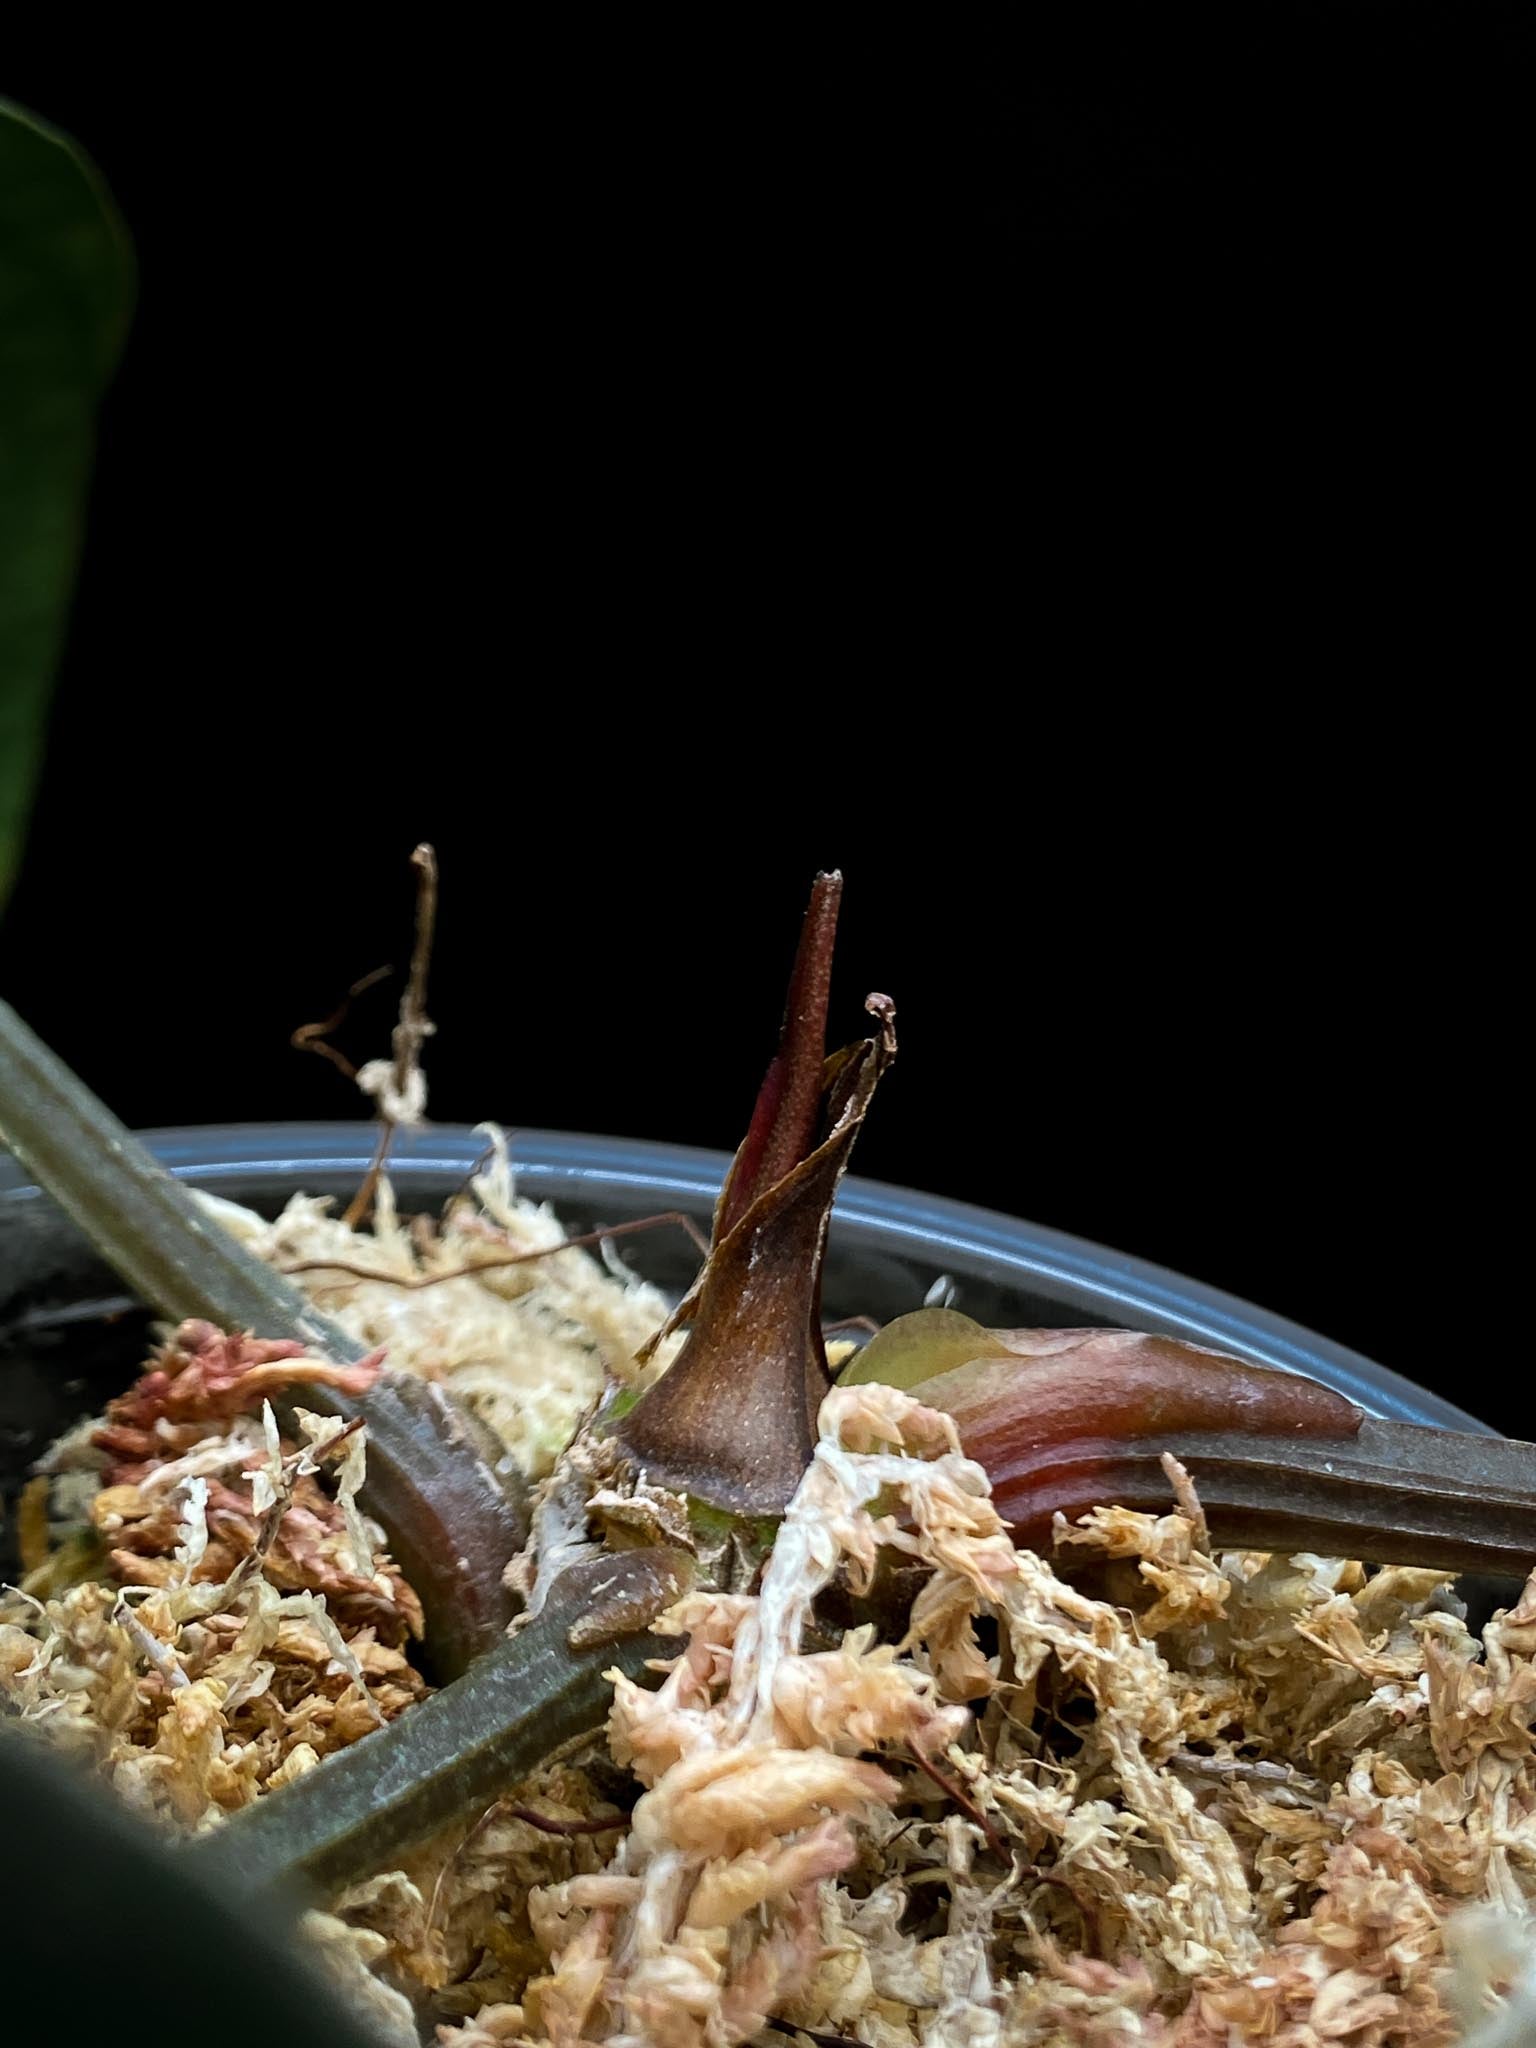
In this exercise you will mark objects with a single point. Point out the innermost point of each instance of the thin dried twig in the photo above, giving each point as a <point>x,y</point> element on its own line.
<point>498,1809</point>
<point>362,1201</point>
<point>471,1833</point>
<point>962,1799</point>
<point>410,1034</point>
<point>415,1027</point>
<point>567,1244</point>
<point>468,1181</point>
<point>548,1826</point>
<point>1032,1873</point>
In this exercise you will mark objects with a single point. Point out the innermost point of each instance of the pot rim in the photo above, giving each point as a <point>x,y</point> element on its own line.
<point>551,1165</point>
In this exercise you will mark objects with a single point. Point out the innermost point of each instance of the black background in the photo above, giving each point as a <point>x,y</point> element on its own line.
<point>1072,480</point>
<point>1057,482</point>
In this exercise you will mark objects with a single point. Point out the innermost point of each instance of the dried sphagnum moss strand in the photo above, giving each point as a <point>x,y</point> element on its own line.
<point>712,1916</point>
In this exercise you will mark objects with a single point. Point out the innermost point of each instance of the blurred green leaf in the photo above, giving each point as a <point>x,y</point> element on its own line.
<point>66,296</point>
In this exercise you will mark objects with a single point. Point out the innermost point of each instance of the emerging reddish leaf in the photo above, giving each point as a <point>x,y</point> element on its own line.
<point>733,1421</point>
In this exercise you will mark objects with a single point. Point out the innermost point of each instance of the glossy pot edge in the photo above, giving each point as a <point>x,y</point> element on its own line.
<point>1103,1285</point>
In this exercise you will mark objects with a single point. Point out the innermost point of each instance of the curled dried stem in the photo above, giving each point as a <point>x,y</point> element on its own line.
<point>317,1037</point>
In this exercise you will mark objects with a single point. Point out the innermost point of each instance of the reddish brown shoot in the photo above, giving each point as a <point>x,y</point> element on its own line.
<point>495,1259</point>
<point>783,1125</point>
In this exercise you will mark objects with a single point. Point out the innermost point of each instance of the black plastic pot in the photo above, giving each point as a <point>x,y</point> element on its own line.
<point>69,1338</point>
<point>110,1938</point>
